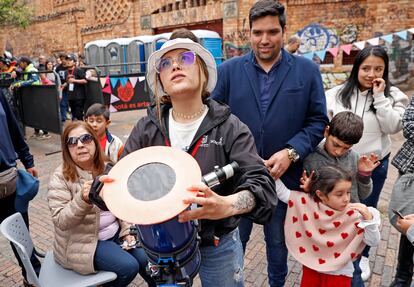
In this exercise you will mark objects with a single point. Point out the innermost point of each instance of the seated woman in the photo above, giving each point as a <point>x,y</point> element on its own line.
<point>86,238</point>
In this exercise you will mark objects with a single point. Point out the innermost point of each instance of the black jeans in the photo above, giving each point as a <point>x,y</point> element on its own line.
<point>7,209</point>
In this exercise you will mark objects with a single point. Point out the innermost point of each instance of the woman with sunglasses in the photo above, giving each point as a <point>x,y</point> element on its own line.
<point>86,238</point>
<point>181,76</point>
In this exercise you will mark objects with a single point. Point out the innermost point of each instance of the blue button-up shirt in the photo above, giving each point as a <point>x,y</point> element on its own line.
<point>265,80</point>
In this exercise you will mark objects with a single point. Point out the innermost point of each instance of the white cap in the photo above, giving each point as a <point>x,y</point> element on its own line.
<point>181,43</point>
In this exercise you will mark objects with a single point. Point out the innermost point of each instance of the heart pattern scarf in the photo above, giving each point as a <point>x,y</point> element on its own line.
<point>320,237</point>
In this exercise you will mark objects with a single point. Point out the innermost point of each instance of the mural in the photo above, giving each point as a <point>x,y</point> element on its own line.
<point>231,50</point>
<point>401,54</point>
<point>315,37</point>
<point>331,80</point>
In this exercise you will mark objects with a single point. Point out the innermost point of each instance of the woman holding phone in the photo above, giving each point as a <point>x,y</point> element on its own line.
<point>368,93</point>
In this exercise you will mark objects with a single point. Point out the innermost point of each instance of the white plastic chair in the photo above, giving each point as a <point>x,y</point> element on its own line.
<point>51,273</point>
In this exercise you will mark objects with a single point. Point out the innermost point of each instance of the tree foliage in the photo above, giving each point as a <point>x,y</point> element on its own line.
<point>14,12</point>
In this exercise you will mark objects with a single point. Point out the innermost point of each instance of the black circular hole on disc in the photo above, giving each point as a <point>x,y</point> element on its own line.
<point>151,181</point>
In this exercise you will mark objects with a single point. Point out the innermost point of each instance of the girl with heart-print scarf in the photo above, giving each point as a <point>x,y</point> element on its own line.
<point>325,232</point>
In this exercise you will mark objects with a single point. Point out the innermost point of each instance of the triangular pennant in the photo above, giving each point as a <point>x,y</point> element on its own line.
<point>103,81</point>
<point>114,99</point>
<point>360,45</point>
<point>321,54</point>
<point>133,81</point>
<point>402,34</point>
<point>411,30</point>
<point>114,81</point>
<point>373,41</point>
<point>334,51</point>
<point>141,79</point>
<point>112,109</point>
<point>387,38</point>
<point>107,90</point>
<point>123,81</point>
<point>346,48</point>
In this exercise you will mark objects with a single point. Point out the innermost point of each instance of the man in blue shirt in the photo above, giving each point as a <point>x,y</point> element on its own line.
<point>281,98</point>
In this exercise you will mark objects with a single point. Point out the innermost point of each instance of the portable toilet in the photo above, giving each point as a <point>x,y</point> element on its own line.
<point>159,40</point>
<point>211,41</point>
<point>138,52</point>
<point>94,53</point>
<point>116,55</point>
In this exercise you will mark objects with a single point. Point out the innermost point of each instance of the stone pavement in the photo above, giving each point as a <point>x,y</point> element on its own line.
<point>48,157</point>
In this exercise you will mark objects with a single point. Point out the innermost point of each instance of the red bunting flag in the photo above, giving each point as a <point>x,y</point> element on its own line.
<point>346,48</point>
<point>333,51</point>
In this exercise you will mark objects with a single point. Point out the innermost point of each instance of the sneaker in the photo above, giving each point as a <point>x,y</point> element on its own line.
<point>365,270</point>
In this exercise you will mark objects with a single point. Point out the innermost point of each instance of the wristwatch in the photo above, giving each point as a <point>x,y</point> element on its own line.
<point>292,154</point>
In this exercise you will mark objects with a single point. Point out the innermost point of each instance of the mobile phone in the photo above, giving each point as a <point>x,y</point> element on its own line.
<point>396,212</point>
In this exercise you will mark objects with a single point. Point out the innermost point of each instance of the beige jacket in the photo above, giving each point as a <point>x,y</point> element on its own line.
<point>76,223</point>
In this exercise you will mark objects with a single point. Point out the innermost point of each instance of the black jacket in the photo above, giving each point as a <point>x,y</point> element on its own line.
<point>225,139</point>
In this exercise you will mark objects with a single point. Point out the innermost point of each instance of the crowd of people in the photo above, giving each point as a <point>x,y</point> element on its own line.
<point>312,163</point>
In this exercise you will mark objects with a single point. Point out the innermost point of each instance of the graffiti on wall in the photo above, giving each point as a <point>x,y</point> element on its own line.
<point>331,80</point>
<point>237,43</point>
<point>231,50</point>
<point>401,65</point>
<point>315,37</point>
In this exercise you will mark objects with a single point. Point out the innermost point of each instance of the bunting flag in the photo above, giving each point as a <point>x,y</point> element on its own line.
<point>141,79</point>
<point>387,38</point>
<point>321,54</point>
<point>373,41</point>
<point>107,89</point>
<point>133,81</point>
<point>112,109</point>
<point>114,81</point>
<point>360,45</point>
<point>103,81</point>
<point>346,48</point>
<point>308,55</point>
<point>402,34</point>
<point>334,51</point>
<point>123,81</point>
<point>411,30</point>
<point>114,99</point>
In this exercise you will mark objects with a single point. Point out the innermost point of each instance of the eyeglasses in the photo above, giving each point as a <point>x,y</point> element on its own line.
<point>186,58</point>
<point>84,139</point>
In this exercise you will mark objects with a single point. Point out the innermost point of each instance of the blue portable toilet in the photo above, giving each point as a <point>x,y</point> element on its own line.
<point>211,41</point>
<point>94,53</point>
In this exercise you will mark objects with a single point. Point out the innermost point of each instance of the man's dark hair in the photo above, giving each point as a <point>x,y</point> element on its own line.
<point>184,33</point>
<point>97,110</point>
<point>347,127</point>
<point>25,59</point>
<point>265,8</point>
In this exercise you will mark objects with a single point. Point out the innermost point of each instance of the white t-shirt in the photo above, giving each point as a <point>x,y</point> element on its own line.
<point>182,134</point>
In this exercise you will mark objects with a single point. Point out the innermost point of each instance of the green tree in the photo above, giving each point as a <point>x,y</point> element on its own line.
<point>14,12</point>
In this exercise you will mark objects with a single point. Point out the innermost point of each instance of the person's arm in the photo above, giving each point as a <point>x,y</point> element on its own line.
<point>311,133</point>
<point>254,196</point>
<point>408,121</point>
<point>390,110</point>
<point>67,211</point>
<point>305,141</point>
<point>372,235</point>
<point>19,144</point>
<point>220,92</point>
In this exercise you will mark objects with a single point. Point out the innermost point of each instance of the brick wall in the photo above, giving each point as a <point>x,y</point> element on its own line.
<point>66,25</point>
